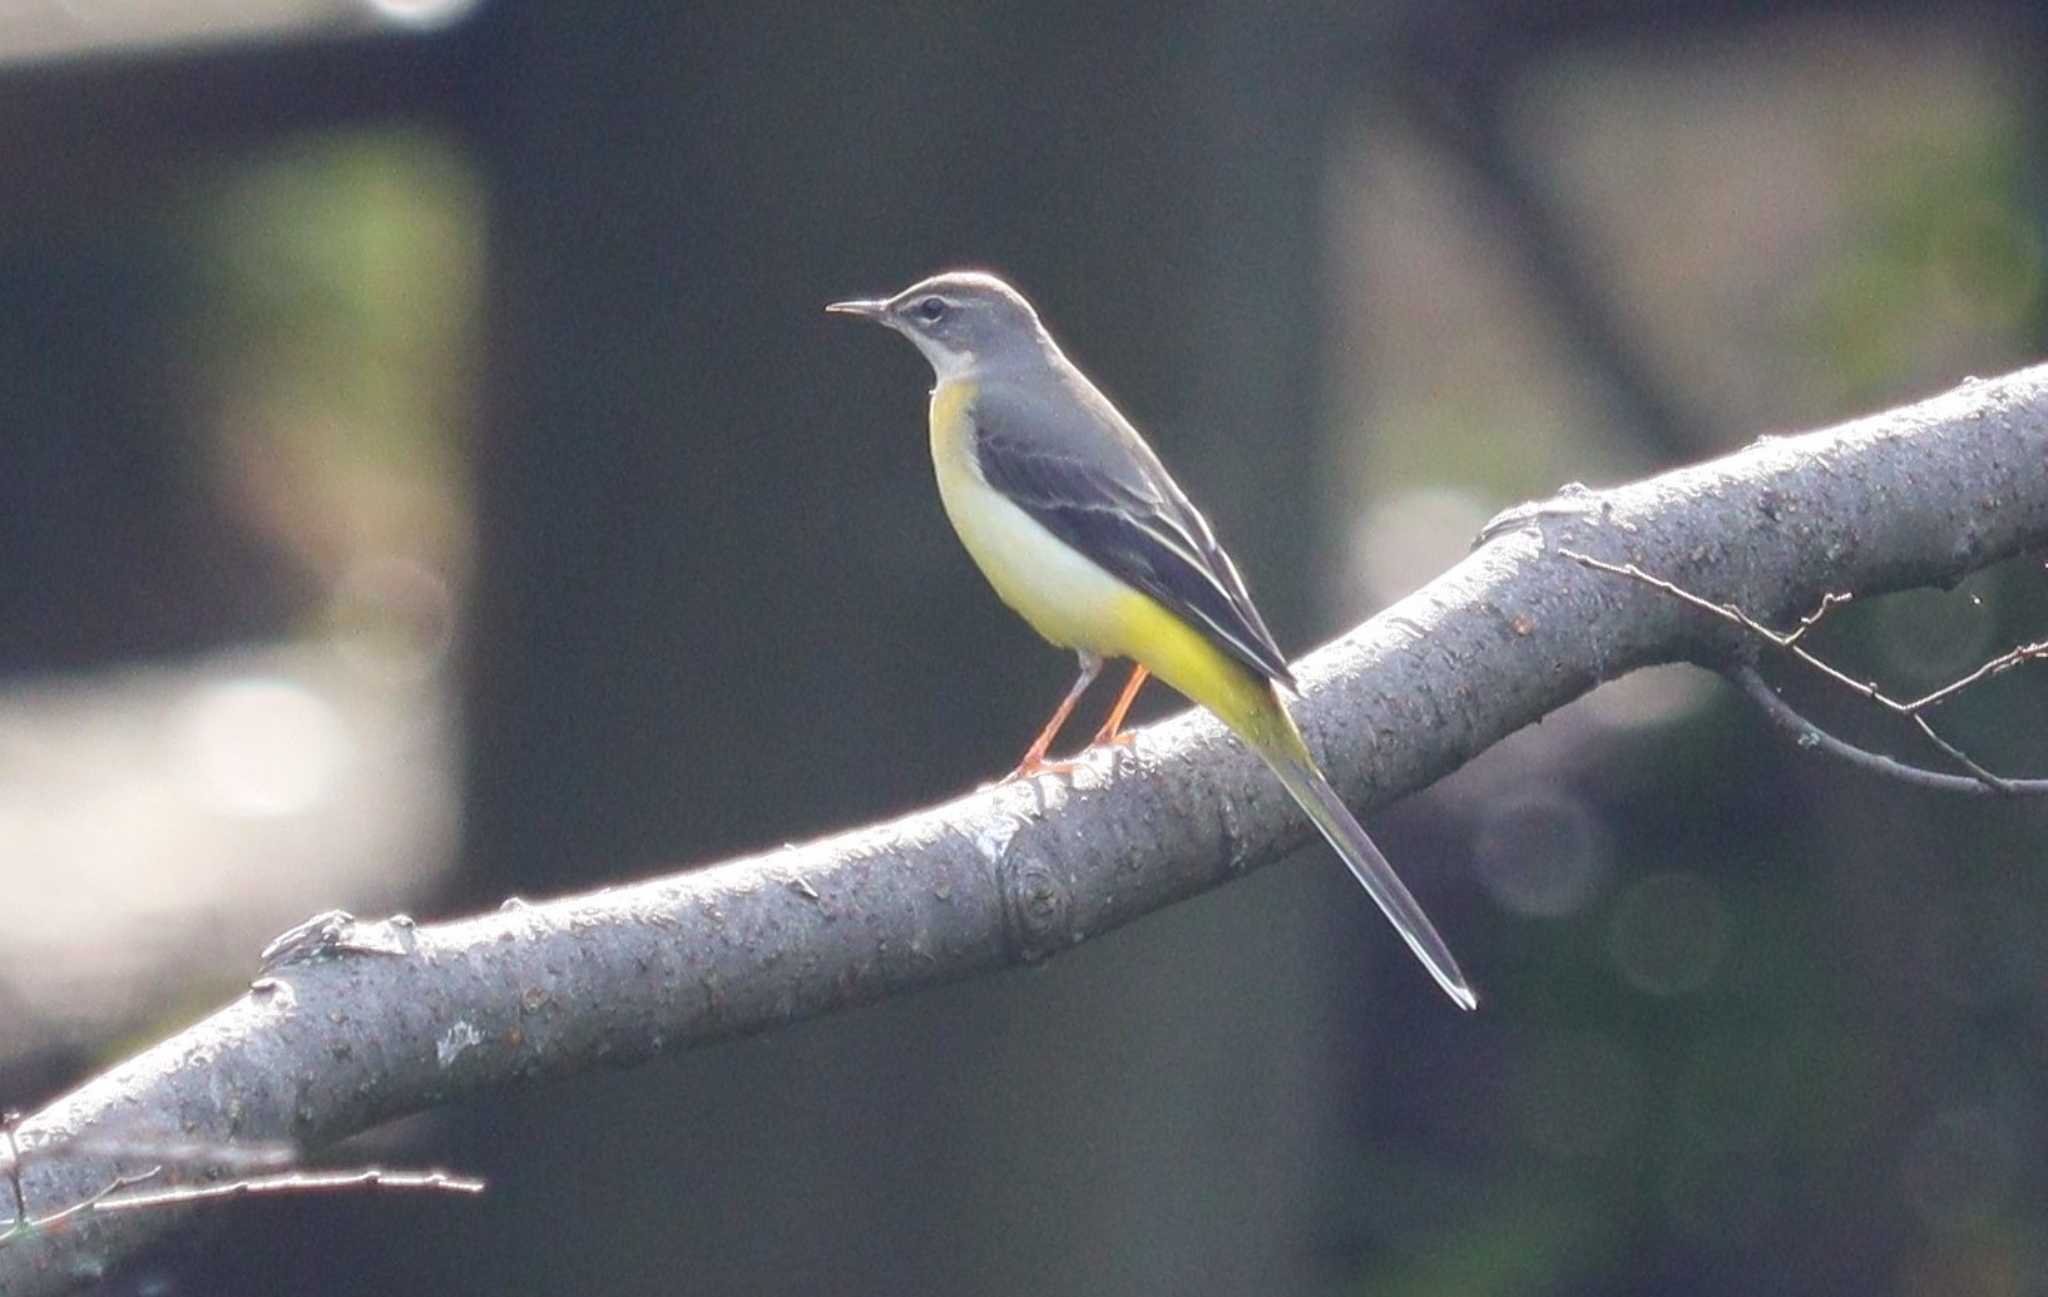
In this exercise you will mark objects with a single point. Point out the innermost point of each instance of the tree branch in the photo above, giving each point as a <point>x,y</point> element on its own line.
<point>1781,713</point>
<point>1807,734</point>
<point>357,1023</point>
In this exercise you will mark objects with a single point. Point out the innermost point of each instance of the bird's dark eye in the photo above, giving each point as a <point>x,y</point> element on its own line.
<point>932,309</point>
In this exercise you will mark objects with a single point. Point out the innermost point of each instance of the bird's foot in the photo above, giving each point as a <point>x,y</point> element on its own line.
<point>1035,764</point>
<point>1031,768</point>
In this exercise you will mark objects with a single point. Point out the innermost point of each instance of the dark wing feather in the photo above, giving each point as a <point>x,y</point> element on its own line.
<point>1089,480</point>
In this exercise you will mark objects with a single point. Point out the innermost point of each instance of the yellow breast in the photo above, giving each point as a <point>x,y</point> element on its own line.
<point>1066,597</point>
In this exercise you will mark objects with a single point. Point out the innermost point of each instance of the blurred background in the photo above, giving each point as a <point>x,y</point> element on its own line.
<point>427,475</point>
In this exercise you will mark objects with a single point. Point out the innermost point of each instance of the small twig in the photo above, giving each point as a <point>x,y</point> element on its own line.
<point>1828,603</point>
<point>2002,663</point>
<point>115,1198</point>
<point>188,1153</point>
<point>299,1182</point>
<point>1995,782</point>
<point>1731,613</point>
<point>1807,734</point>
<point>100,1201</point>
<point>1980,778</point>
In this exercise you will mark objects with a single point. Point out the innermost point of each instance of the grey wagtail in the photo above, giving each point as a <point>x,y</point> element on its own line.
<point>1080,529</point>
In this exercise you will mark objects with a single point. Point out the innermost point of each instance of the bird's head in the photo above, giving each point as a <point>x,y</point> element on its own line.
<point>960,320</point>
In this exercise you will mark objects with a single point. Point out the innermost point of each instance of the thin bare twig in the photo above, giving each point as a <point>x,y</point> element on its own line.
<point>2002,663</point>
<point>114,1196</point>
<point>298,1182</point>
<point>1753,685</point>
<point>1807,734</point>
<point>95,1202</point>
<point>1828,603</point>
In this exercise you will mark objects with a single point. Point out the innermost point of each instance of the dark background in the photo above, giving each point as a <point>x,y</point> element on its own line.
<point>480,375</point>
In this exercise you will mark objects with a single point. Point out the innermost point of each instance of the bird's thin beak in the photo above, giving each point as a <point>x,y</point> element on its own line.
<point>866,310</point>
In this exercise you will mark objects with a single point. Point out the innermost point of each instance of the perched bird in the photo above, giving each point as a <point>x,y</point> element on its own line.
<point>1081,530</point>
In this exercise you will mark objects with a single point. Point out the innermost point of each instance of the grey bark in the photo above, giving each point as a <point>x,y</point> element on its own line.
<point>392,1019</point>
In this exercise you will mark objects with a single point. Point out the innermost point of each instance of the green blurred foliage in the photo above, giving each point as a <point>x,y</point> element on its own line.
<point>337,341</point>
<point>1941,258</point>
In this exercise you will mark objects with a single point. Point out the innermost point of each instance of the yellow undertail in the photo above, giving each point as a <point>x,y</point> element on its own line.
<point>1251,706</point>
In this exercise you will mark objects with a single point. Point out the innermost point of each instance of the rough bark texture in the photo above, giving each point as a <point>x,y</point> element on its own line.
<point>397,1018</point>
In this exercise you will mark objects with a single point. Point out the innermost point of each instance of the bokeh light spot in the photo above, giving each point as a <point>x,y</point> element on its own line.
<point>260,747</point>
<point>424,14</point>
<point>1543,854</point>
